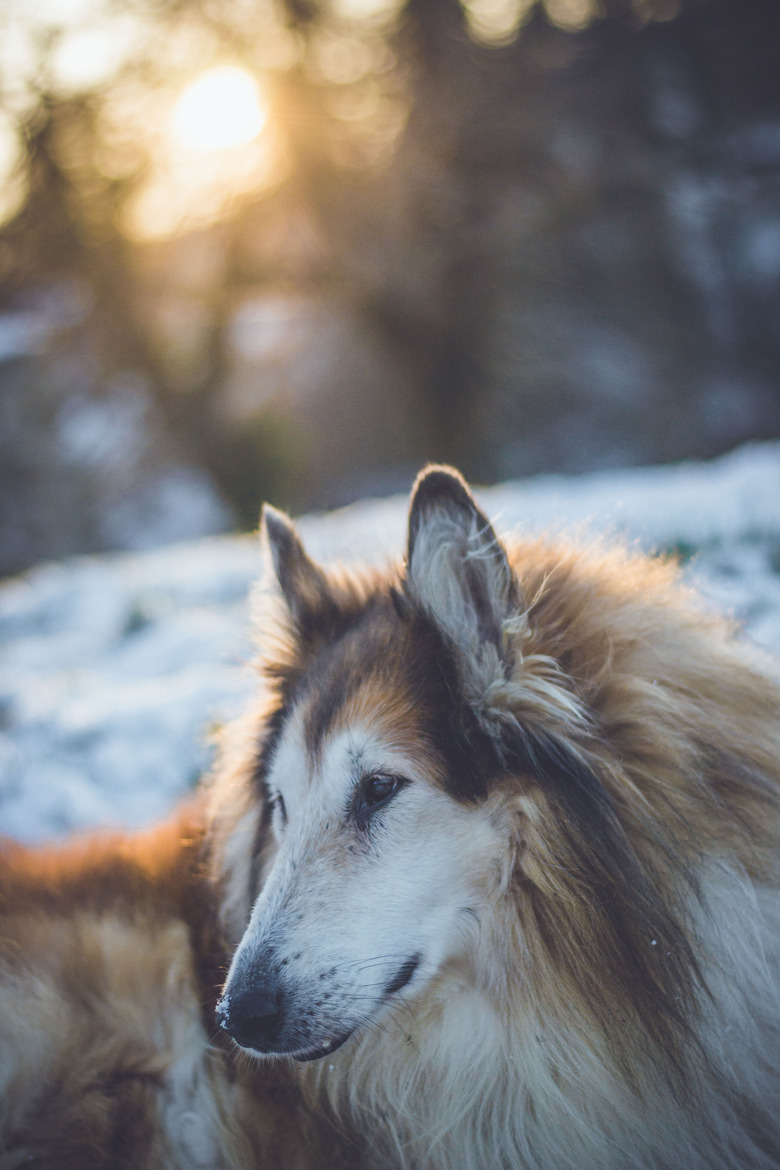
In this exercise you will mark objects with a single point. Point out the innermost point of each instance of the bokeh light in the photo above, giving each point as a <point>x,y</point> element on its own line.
<point>12,184</point>
<point>219,110</point>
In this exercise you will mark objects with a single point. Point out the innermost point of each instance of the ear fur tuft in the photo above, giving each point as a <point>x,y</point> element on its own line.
<point>458,574</point>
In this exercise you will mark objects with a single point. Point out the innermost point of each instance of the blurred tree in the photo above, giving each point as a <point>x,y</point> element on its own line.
<point>509,234</point>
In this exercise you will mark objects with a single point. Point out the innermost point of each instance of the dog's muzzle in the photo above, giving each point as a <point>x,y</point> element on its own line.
<point>261,1015</point>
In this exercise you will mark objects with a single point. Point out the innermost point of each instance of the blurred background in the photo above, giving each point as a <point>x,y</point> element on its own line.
<point>292,249</point>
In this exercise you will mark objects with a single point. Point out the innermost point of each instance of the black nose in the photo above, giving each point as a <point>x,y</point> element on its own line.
<point>253,1015</point>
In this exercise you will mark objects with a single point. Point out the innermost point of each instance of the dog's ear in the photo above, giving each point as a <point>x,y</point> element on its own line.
<point>303,584</point>
<point>457,570</point>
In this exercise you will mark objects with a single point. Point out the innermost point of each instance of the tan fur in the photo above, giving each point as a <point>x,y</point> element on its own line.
<point>683,716</point>
<point>108,979</point>
<point>564,1036</point>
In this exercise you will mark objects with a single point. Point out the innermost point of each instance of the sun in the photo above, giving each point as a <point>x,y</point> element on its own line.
<point>219,110</point>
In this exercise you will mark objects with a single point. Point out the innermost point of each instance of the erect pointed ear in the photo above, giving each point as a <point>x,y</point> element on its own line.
<point>457,571</point>
<point>303,584</point>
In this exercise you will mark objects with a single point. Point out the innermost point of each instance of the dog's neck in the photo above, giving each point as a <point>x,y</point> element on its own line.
<point>456,1082</point>
<point>476,1078</point>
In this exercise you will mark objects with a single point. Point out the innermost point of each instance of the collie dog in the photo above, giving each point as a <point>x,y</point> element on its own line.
<point>487,879</point>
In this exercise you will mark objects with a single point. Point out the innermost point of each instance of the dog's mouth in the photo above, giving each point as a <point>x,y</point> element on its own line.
<point>403,976</point>
<point>305,1055</point>
<point>401,979</point>
<point>312,1052</point>
<point>261,1026</point>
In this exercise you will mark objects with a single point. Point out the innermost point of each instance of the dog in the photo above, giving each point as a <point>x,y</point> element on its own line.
<point>486,879</point>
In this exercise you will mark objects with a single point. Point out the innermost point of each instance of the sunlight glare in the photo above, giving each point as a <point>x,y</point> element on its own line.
<point>218,111</point>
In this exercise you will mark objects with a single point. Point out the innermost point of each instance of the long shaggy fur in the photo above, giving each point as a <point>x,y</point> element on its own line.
<point>590,758</point>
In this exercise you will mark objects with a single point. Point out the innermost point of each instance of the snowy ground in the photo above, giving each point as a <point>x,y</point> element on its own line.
<point>115,669</point>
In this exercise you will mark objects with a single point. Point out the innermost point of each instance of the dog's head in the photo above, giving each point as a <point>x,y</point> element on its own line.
<point>375,768</point>
<point>451,794</point>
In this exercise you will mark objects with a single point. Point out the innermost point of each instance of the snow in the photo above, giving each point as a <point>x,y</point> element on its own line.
<point>115,670</point>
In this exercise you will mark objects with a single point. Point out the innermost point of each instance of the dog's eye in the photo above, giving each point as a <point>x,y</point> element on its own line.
<point>375,790</point>
<point>379,788</point>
